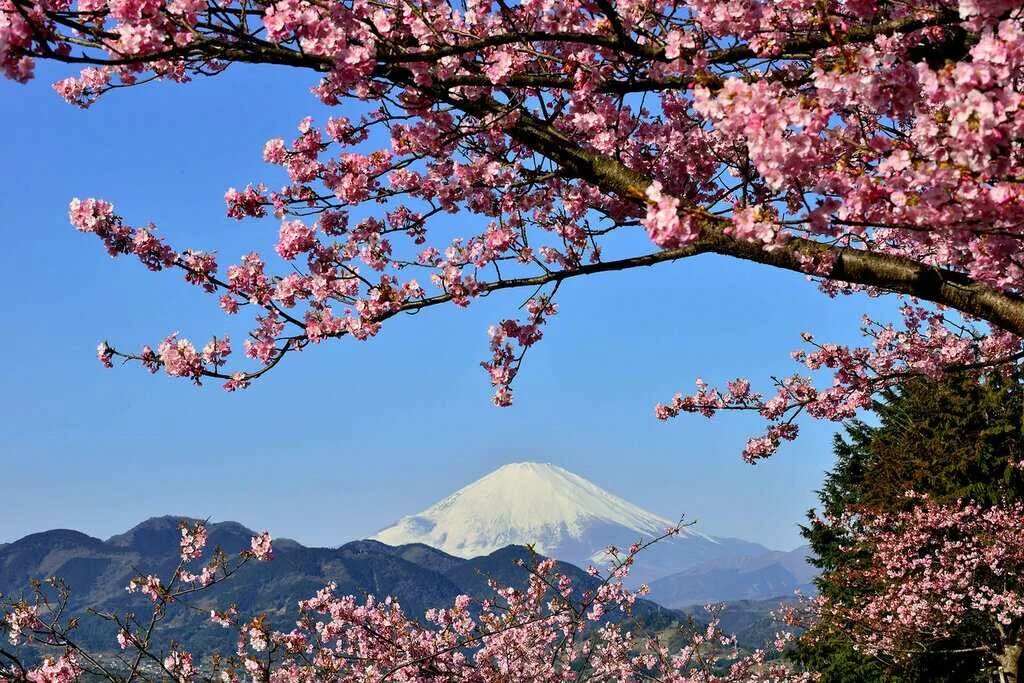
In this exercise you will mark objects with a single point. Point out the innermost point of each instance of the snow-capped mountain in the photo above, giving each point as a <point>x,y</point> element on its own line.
<point>562,515</point>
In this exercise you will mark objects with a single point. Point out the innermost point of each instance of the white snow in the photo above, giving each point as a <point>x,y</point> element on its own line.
<point>528,503</point>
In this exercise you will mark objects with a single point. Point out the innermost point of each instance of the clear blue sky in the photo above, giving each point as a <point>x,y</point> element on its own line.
<point>348,437</point>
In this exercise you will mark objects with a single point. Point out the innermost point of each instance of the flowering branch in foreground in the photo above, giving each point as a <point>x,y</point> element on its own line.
<point>550,630</point>
<point>873,147</point>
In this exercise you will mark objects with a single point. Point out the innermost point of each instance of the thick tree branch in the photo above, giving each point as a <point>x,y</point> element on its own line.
<point>938,285</point>
<point>898,274</point>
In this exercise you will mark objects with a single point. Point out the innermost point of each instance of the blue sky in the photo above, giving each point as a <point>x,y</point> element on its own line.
<point>347,437</point>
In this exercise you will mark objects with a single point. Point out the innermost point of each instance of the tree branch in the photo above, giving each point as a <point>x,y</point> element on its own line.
<point>856,266</point>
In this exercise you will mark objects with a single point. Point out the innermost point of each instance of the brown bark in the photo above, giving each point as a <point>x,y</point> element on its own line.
<point>1009,663</point>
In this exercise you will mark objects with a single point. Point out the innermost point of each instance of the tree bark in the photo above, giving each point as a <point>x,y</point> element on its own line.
<point>1009,663</point>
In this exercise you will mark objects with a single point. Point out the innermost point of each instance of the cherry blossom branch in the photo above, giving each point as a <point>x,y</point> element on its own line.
<point>830,141</point>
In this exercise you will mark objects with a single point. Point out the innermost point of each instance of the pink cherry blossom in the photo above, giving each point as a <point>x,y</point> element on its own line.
<point>868,146</point>
<point>180,665</point>
<point>936,567</point>
<point>261,547</point>
<point>147,585</point>
<point>23,618</point>
<point>64,669</point>
<point>193,540</point>
<point>294,238</point>
<point>124,639</point>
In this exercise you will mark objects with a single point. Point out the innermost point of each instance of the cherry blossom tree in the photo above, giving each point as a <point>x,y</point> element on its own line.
<point>872,146</point>
<point>550,630</point>
<point>929,570</point>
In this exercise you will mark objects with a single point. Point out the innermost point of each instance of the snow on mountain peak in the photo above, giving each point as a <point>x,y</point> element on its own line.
<point>526,502</point>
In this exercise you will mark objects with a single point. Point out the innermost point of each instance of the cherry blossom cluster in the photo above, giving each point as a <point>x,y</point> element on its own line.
<point>180,666</point>
<point>193,540</point>
<point>63,669</point>
<point>505,361</point>
<point>874,147</point>
<point>929,344</point>
<point>261,547</point>
<point>22,617</point>
<point>933,568</point>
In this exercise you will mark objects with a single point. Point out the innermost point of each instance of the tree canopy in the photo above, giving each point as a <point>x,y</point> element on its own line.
<point>955,441</point>
<point>873,146</point>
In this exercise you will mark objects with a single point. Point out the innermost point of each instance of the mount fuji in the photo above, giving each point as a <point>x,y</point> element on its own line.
<point>561,515</point>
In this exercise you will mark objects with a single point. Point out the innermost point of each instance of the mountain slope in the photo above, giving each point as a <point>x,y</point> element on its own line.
<point>559,514</point>
<point>742,578</point>
<point>97,572</point>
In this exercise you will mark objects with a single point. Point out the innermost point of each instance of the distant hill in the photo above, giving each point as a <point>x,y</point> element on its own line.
<point>751,621</point>
<point>97,571</point>
<point>755,577</point>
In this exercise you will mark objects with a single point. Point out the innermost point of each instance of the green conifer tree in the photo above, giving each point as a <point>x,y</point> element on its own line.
<point>959,439</point>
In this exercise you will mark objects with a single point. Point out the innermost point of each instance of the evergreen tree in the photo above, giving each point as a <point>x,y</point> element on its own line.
<point>958,439</point>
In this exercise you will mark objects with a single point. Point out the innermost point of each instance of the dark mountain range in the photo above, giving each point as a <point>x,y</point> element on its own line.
<point>97,572</point>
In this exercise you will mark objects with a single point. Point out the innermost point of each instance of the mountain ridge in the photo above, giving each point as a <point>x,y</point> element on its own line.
<point>557,513</point>
<point>97,571</point>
